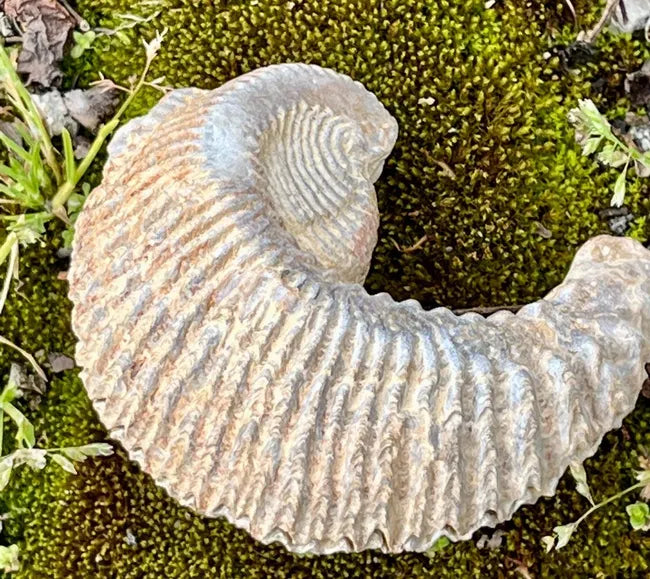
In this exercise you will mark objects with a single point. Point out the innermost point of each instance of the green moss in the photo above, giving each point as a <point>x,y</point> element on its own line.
<point>499,122</point>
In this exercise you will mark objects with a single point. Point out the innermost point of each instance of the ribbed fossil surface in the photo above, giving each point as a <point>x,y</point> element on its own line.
<point>227,343</point>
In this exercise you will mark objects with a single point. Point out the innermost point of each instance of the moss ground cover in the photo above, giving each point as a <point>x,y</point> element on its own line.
<point>485,155</point>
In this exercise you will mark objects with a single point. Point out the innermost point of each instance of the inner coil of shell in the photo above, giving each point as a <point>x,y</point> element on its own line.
<point>227,343</point>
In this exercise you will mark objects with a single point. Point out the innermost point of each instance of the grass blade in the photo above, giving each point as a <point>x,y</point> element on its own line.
<point>68,155</point>
<point>12,241</point>
<point>25,105</point>
<point>13,146</point>
<point>26,355</point>
<point>9,172</point>
<point>23,130</point>
<point>10,192</point>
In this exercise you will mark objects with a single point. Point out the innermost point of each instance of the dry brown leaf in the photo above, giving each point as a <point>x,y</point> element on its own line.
<point>91,106</point>
<point>45,26</point>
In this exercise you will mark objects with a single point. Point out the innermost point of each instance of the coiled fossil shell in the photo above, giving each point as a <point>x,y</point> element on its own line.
<point>227,344</point>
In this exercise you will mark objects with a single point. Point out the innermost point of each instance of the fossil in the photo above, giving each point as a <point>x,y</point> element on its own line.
<point>227,343</point>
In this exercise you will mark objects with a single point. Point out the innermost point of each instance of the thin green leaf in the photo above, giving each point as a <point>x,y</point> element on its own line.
<point>123,37</point>
<point>9,393</point>
<point>438,546</point>
<point>580,476</point>
<point>96,449</point>
<point>25,433</point>
<point>75,203</point>
<point>593,116</point>
<point>619,189</point>
<point>9,192</point>
<point>24,132</point>
<point>12,266</point>
<point>73,453</point>
<point>64,463</point>
<point>591,145</point>
<point>642,476</point>
<point>37,172</point>
<point>564,533</point>
<point>68,236</point>
<point>68,155</point>
<point>639,514</point>
<point>33,457</point>
<point>549,542</point>
<point>25,429</point>
<point>20,187</point>
<point>76,51</point>
<point>22,100</point>
<point>21,196</point>
<point>6,466</point>
<point>29,227</point>
<point>612,155</point>
<point>13,146</point>
<point>26,355</point>
<point>10,172</point>
<point>9,558</point>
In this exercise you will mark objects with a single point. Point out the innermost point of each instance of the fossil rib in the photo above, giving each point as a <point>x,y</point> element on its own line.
<point>227,344</point>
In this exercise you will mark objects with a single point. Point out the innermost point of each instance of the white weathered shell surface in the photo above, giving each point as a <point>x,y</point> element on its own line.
<point>630,15</point>
<point>227,344</point>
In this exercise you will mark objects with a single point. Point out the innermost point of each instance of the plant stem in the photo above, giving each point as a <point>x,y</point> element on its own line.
<point>27,356</point>
<point>610,500</point>
<point>102,135</point>
<point>7,246</point>
<point>64,192</point>
<point>590,36</point>
<point>11,266</point>
<point>2,427</point>
<point>62,195</point>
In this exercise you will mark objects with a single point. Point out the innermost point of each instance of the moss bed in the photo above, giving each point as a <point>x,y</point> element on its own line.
<point>498,120</point>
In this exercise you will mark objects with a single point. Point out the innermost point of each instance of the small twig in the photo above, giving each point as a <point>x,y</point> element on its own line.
<point>418,244</point>
<point>486,311</point>
<point>60,198</point>
<point>81,22</point>
<point>446,169</point>
<point>26,355</point>
<point>591,35</point>
<point>572,10</point>
<point>107,84</point>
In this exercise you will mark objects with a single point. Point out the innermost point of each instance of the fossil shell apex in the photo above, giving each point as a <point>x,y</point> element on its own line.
<point>227,343</point>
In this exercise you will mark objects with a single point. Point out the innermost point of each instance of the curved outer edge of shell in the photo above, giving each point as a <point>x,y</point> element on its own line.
<point>227,344</point>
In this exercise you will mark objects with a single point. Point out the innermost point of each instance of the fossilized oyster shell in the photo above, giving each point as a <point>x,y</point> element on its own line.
<point>227,344</point>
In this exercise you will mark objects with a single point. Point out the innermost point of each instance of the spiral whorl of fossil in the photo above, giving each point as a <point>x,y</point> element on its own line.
<point>226,342</point>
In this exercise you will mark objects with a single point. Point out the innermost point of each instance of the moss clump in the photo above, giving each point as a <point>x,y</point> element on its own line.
<point>499,123</point>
